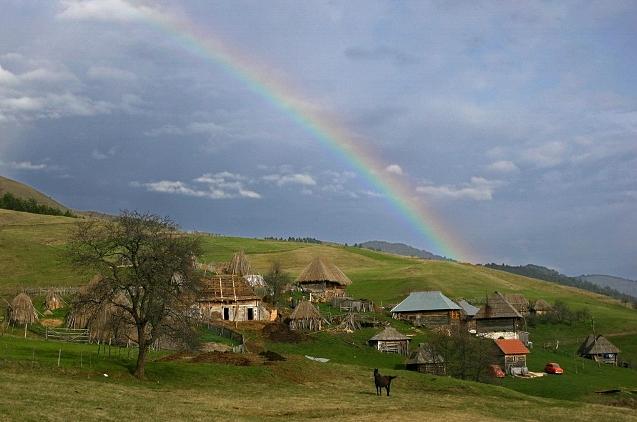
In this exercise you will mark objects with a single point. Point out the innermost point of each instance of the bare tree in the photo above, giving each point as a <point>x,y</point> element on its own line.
<point>147,270</point>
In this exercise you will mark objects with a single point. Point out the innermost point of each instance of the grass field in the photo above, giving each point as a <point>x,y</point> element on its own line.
<point>32,255</point>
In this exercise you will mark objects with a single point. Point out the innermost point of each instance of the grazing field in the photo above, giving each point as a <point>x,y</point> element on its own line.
<point>296,389</point>
<point>32,255</point>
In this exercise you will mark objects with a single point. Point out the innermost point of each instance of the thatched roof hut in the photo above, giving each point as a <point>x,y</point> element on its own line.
<point>321,270</point>
<point>21,310</point>
<point>53,300</point>
<point>306,317</point>
<point>541,306</point>
<point>599,349</point>
<point>425,359</point>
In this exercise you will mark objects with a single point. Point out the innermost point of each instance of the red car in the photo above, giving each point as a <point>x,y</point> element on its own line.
<point>553,368</point>
<point>496,371</point>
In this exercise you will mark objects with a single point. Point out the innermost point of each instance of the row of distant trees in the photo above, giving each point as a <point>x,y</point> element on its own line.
<point>548,274</point>
<point>9,201</point>
<point>295,239</point>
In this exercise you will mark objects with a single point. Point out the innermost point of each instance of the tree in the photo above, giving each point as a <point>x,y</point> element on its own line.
<point>277,280</point>
<point>147,270</point>
<point>466,356</point>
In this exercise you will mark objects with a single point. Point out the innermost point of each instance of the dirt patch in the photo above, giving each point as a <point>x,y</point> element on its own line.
<point>281,333</point>
<point>215,347</point>
<point>228,358</point>
<point>52,322</point>
<point>271,356</point>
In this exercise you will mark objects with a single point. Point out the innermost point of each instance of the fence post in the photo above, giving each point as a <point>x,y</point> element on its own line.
<point>46,333</point>
<point>59,356</point>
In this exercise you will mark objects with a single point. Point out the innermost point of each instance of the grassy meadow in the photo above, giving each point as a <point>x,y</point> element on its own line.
<point>34,387</point>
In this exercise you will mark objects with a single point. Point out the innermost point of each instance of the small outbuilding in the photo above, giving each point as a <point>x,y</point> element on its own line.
<point>498,315</point>
<point>21,310</point>
<point>390,340</point>
<point>426,360</point>
<point>512,356</point>
<point>306,317</point>
<point>468,314</point>
<point>323,280</point>
<point>541,307</point>
<point>599,349</point>
<point>431,308</point>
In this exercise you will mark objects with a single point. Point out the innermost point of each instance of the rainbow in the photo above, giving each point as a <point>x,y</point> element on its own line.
<point>323,128</point>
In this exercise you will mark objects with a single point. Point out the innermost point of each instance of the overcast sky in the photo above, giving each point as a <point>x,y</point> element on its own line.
<point>516,121</point>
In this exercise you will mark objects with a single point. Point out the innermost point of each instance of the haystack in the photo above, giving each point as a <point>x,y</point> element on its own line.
<point>238,265</point>
<point>306,317</point>
<point>53,300</point>
<point>22,311</point>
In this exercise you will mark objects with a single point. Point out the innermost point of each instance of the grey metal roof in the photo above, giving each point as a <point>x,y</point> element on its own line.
<point>468,308</point>
<point>425,301</point>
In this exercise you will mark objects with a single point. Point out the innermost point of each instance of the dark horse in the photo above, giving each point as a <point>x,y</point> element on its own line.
<point>382,381</point>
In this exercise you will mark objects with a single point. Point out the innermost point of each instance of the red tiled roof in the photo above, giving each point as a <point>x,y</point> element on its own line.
<point>512,347</point>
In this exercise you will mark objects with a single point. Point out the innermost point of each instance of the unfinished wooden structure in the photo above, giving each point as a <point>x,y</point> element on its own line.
<point>230,297</point>
<point>306,317</point>
<point>512,356</point>
<point>599,349</point>
<point>390,340</point>
<point>519,302</point>
<point>497,315</point>
<point>426,360</point>
<point>323,280</point>
<point>430,308</point>
<point>353,305</point>
<point>21,310</point>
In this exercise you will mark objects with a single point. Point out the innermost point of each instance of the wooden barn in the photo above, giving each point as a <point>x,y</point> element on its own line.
<point>468,314</point>
<point>497,315</point>
<point>306,317</point>
<point>323,280</point>
<point>230,298</point>
<point>390,341</point>
<point>512,355</point>
<point>541,307</point>
<point>425,359</point>
<point>599,349</point>
<point>519,302</point>
<point>428,308</point>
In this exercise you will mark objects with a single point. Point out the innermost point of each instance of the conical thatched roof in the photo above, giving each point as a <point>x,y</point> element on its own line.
<point>305,310</point>
<point>21,310</point>
<point>320,270</point>
<point>389,334</point>
<point>238,265</point>
<point>597,346</point>
<point>424,355</point>
<point>53,301</point>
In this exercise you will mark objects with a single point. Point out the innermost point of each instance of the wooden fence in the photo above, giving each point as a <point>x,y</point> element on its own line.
<point>72,335</point>
<point>228,333</point>
<point>39,291</point>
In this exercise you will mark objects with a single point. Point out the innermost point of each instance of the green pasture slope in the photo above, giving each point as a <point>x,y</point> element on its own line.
<point>31,254</point>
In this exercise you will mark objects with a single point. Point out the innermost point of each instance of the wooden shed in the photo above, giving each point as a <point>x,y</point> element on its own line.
<point>512,355</point>
<point>599,349</point>
<point>498,315</point>
<point>519,302</point>
<point>306,317</point>
<point>430,308</point>
<point>390,341</point>
<point>231,298</point>
<point>426,360</point>
<point>468,312</point>
<point>323,280</point>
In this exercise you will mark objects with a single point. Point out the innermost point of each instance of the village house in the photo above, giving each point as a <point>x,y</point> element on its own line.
<point>230,298</point>
<point>323,280</point>
<point>512,356</point>
<point>498,318</point>
<point>390,341</point>
<point>599,349</point>
<point>428,308</point>
<point>468,314</point>
<point>424,359</point>
<point>519,302</point>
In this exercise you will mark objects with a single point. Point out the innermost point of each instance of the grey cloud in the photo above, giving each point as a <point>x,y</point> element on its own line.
<point>381,53</point>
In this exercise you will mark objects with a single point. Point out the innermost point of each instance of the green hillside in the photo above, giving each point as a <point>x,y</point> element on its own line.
<point>24,191</point>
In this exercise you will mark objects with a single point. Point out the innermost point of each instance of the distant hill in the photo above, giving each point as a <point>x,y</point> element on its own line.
<point>620,284</point>
<point>400,249</point>
<point>23,191</point>
<point>548,274</point>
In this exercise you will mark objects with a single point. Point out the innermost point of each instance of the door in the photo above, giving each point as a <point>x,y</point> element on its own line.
<point>226,314</point>
<point>250,314</point>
